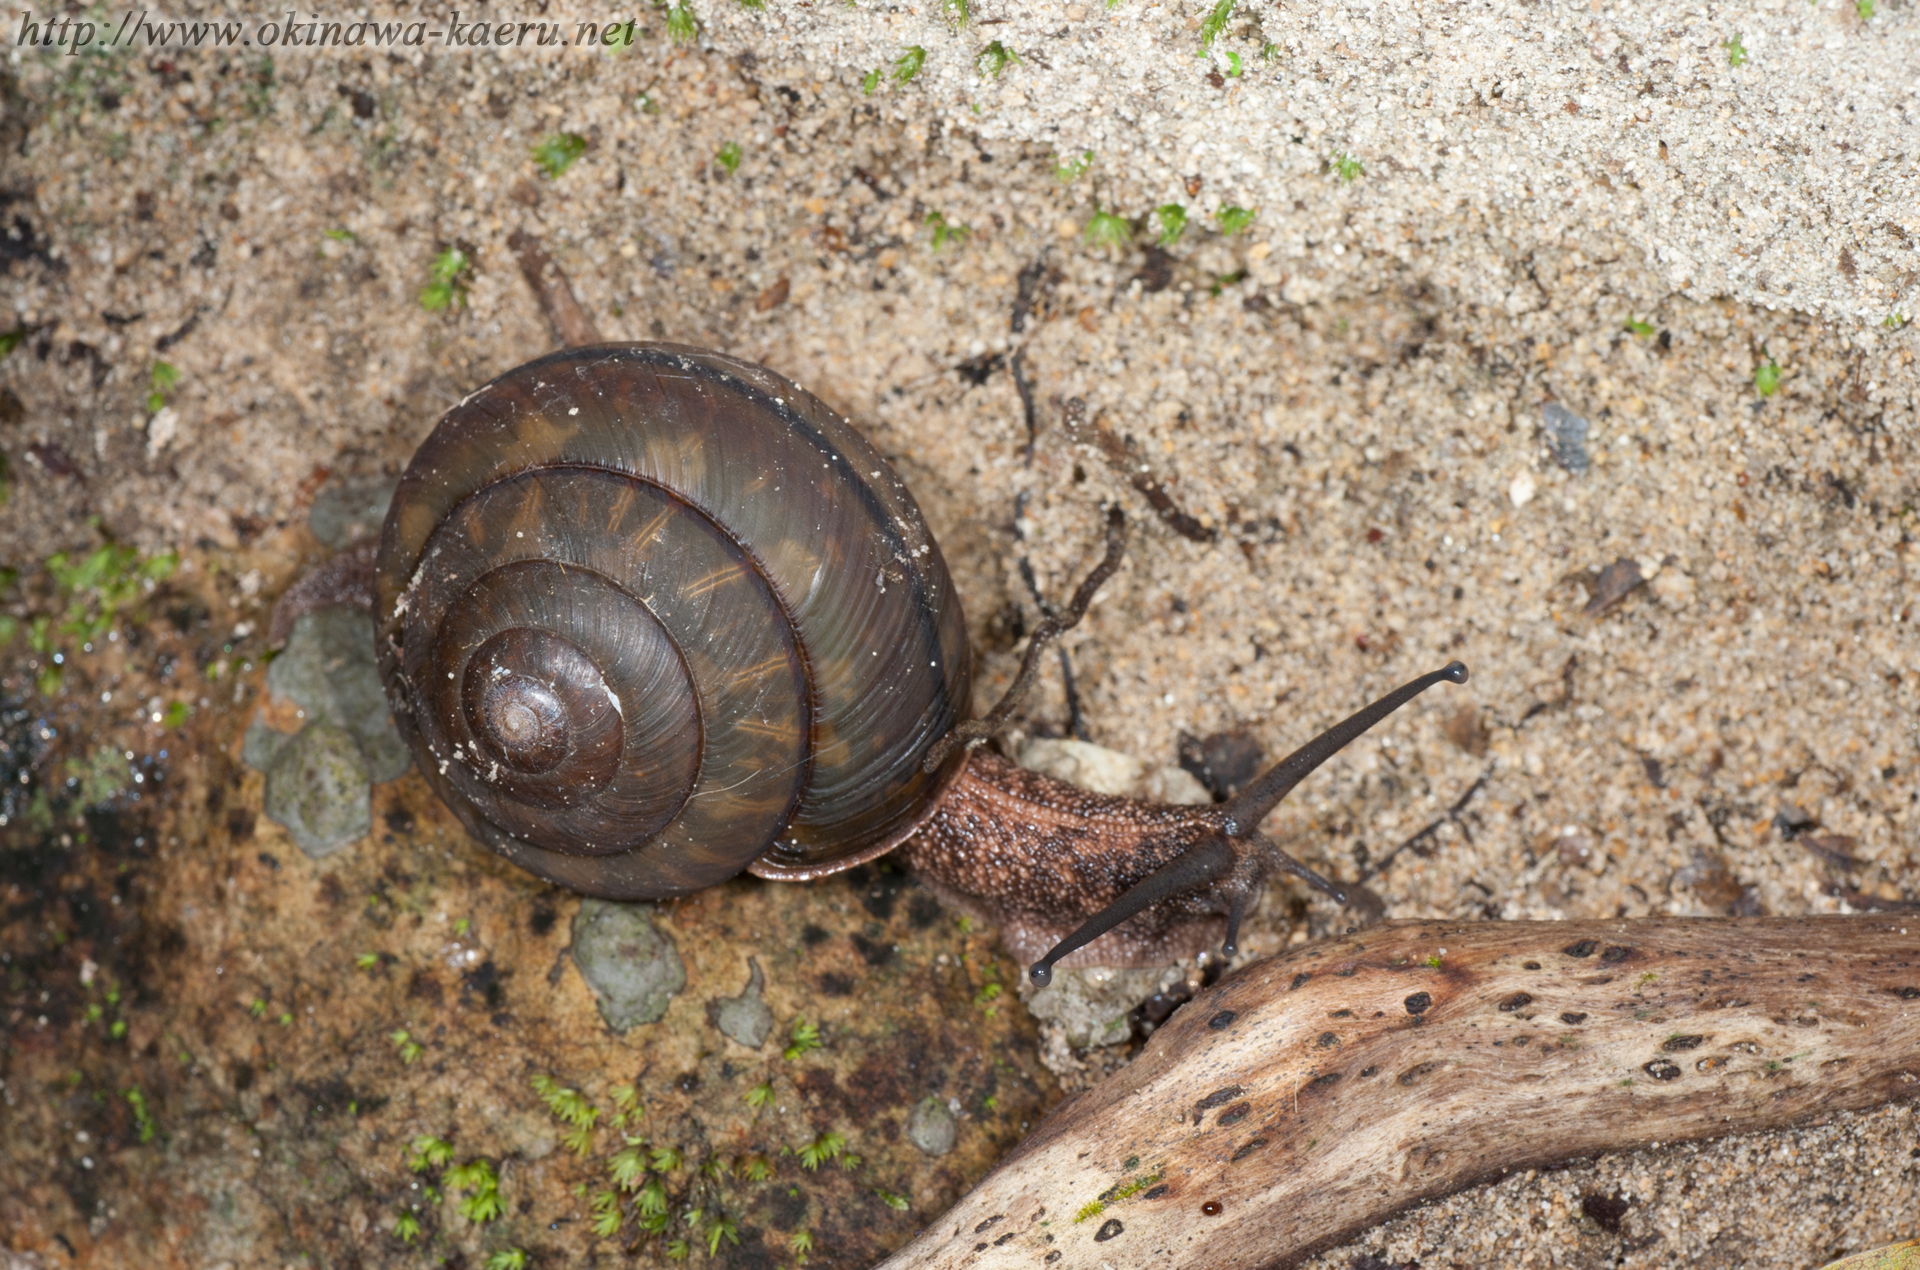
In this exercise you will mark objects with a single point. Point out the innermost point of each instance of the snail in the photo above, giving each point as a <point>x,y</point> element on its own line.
<point>649,616</point>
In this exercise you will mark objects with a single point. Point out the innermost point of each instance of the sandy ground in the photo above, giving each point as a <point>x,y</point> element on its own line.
<point>1345,400</point>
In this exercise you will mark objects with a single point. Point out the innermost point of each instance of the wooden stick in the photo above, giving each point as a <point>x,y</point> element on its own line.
<point>1430,1056</point>
<point>550,286</point>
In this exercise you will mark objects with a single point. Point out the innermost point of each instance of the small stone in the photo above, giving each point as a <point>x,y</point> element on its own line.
<point>1106,771</point>
<point>262,745</point>
<point>318,788</point>
<point>1224,761</point>
<point>1090,1006</point>
<point>351,508</point>
<point>1613,585</point>
<point>328,670</point>
<point>1521,492</point>
<point>931,1127</point>
<point>1093,767</point>
<point>1566,437</point>
<point>745,1018</point>
<point>631,967</point>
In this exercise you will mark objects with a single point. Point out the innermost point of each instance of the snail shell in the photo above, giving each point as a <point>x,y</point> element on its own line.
<point>650,615</point>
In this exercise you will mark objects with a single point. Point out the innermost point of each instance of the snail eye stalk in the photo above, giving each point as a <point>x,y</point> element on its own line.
<point>1213,861</point>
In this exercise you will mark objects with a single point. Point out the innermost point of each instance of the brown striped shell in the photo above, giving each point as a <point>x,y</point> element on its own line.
<point>649,615</point>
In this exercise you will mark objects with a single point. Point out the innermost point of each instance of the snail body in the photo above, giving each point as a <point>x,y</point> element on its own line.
<point>649,616</point>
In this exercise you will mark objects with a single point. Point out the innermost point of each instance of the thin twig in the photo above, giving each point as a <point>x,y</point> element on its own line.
<point>550,286</point>
<point>976,730</point>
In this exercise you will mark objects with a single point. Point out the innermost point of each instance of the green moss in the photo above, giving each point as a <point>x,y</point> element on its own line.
<point>1234,219</point>
<point>163,377</point>
<point>1071,170</point>
<point>1346,167</point>
<point>1109,229</point>
<point>827,1147</point>
<point>995,58</point>
<point>1766,378</point>
<point>804,1037</point>
<point>908,64</point>
<point>409,1049</point>
<point>1092,1209</point>
<point>682,26</point>
<point>559,151</point>
<point>446,286</point>
<point>946,231</point>
<point>728,157</point>
<point>1736,52</point>
<point>1214,25</point>
<point>1173,223</point>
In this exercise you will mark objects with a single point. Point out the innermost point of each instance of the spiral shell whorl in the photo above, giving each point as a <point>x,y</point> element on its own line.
<point>650,615</point>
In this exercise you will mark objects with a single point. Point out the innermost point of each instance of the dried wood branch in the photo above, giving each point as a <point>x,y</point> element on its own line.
<point>1313,1095</point>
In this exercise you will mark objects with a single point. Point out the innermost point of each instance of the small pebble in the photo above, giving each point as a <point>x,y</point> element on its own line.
<point>1566,437</point>
<point>745,1018</point>
<point>633,969</point>
<point>931,1127</point>
<point>354,507</point>
<point>328,670</point>
<point>318,788</point>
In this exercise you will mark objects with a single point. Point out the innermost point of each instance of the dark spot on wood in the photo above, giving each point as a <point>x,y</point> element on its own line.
<point>1910,994</point>
<point>1419,1003</point>
<point>1253,1144</point>
<point>1582,949</point>
<point>1299,979</point>
<point>1003,1239</point>
<point>1605,1211</point>
<point>1531,965</point>
<point>1212,1207</point>
<point>1521,1040</point>
<point>1369,1071</point>
<point>1675,1044</point>
<point>1109,1229</point>
<point>1157,1192</point>
<point>1053,1256</point>
<point>980,1247</point>
<point>1515,1001</point>
<point>1413,1074</point>
<point>989,1221</point>
<point>1709,1063</point>
<point>1662,1069</point>
<point>1341,1014</point>
<point>1571,1019</point>
<point>1327,1040</point>
<point>1222,1021</point>
<point>1215,1099</point>
<point>1614,954</point>
<point>1234,1114</point>
<point>1327,1079</point>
